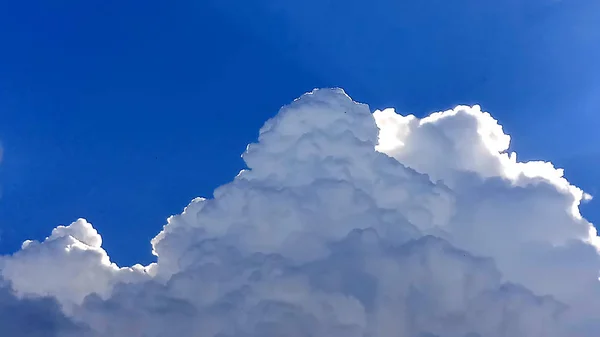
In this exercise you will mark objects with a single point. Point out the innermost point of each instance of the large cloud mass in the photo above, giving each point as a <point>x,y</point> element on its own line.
<point>345,223</point>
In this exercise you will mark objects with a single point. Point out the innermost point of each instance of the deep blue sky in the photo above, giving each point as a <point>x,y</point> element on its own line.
<point>122,111</point>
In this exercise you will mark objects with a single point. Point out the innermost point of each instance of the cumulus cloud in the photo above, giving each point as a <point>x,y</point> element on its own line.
<point>345,223</point>
<point>69,265</point>
<point>34,317</point>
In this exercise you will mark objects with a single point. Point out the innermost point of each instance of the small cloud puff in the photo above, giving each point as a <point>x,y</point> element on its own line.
<point>68,265</point>
<point>345,223</point>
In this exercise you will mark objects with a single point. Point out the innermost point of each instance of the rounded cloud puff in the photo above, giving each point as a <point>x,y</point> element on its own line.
<point>347,223</point>
<point>69,265</point>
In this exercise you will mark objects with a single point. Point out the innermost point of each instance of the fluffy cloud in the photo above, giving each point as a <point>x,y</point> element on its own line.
<point>69,265</point>
<point>345,223</point>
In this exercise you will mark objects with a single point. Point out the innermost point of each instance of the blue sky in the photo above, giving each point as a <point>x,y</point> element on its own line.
<point>121,113</point>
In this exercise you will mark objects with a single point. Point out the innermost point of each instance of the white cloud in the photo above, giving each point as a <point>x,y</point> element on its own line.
<point>69,265</point>
<point>347,223</point>
<point>524,215</point>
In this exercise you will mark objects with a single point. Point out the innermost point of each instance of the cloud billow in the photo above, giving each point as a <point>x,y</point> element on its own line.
<point>345,223</point>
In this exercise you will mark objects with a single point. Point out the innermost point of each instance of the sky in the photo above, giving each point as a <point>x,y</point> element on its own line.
<point>122,113</point>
